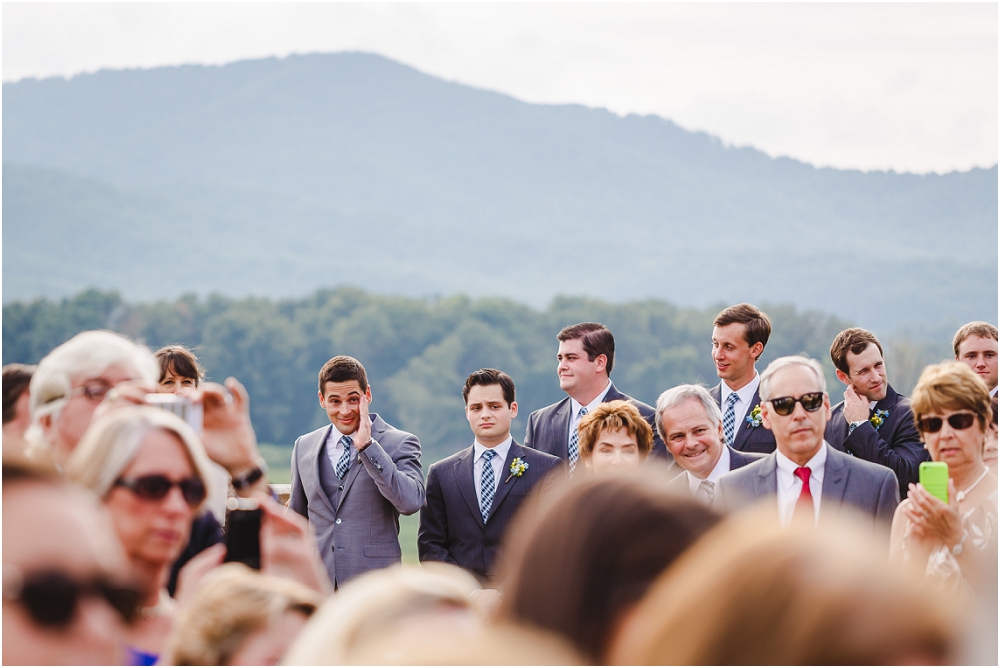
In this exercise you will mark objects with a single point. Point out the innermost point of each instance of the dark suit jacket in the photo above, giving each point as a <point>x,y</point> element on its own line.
<point>896,443</point>
<point>748,438</point>
<point>548,428</point>
<point>451,526</point>
<point>737,460</point>
<point>869,488</point>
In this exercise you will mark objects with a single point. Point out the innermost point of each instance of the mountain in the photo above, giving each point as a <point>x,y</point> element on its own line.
<point>277,176</point>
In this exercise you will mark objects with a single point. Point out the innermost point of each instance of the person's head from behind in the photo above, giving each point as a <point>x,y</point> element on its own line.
<point>585,358</point>
<point>857,354</point>
<point>72,380</point>
<point>795,406</point>
<point>813,598</point>
<point>149,468</point>
<point>239,617</point>
<point>577,565</point>
<point>975,345</point>
<point>739,335</point>
<point>490,405</point>
<point>180,372</point>
<point>343,383</point>
<point>614,435</point>
<point>16,409</point>
<point>65,599</point>
<point>690,424</point>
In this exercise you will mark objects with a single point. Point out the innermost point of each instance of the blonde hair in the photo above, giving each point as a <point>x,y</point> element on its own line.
<point>813,598</point>
<point>615,415</point>
<point>113,440</point>
<point>951,386</point>
<point>230,604</point>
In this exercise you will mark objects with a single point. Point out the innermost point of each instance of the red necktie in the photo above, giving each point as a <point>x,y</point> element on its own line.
<point>804,509</point>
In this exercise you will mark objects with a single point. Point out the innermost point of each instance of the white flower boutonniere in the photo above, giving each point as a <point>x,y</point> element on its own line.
<point>754,419</point>
<point>517,469</point>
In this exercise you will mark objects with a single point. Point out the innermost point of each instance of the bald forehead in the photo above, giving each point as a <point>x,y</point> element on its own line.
<point>794,379</point>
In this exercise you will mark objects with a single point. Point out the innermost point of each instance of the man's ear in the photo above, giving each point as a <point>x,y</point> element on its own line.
<point>602,362</point>
<point>756,350</point>
<point>513,409</point>
<point>322,401</point>
<point>843,377</point>
<point>765,414</point>
<point>368,394</point>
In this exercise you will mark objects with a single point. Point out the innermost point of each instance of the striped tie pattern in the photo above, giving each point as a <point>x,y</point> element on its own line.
<point>574,445</point>
<point>706,491</point>
<point>729,419</point>
<point>487,484</point>
<point>344,462</point>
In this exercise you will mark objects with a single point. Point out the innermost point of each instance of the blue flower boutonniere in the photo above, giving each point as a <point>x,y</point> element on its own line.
<point>517,469</point>
<point>754,419</point>
<point>877,418</point>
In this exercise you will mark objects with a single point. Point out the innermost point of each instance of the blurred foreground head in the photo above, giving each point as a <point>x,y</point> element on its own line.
<point>812,598</point>
<point>407,615</point>
<point>580,563</point>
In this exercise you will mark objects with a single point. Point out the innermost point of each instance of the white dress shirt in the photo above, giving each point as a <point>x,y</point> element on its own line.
<point>721,468</point>
<point>575,406</point>
<point>334,448</point>
<point>745,394</point>
<point>993,392</point>
<point>477,465</point>
<point>789,485</point>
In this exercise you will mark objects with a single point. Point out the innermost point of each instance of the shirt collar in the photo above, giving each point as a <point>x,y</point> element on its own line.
<point>745,393</point>
<point>721,468</point>
<point>598,400</point>
<point>501,450</point>
<point>816,465</point>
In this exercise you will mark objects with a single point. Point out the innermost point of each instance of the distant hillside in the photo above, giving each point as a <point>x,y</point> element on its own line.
<point>275,177</point>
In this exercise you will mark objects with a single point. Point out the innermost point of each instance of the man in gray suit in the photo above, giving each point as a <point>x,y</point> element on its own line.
<point>690,424</point>
<point>806,478</point>
<point>354,477</point>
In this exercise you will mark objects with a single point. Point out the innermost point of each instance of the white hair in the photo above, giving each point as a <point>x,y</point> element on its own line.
<point>781,363</point>
<point>678,395</point>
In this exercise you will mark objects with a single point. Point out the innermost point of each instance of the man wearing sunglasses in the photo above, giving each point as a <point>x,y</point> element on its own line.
<point>874,422</point>
<point>809,479</point>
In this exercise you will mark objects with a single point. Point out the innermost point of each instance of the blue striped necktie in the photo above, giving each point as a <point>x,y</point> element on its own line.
<point>729,419</point>
<point>574,444</point>
<point>344,462</point>
<point>487,484</point>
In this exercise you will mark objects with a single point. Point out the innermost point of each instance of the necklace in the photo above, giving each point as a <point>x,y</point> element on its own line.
<point>960,496</point>
<point>159,609</point>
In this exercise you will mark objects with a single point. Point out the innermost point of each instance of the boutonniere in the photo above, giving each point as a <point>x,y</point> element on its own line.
<point>754,419</point>
<point>517,469</point>
<point>878,417</point>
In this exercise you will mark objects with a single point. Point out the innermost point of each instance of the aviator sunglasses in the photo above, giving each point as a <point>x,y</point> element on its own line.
<point>958,422</point>
<point>51,597</point>
<point>156,487</point>
<point>811,401</point>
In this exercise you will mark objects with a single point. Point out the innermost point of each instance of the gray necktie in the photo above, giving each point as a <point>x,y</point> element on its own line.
<point>344,462</point>
<point>706,492</point>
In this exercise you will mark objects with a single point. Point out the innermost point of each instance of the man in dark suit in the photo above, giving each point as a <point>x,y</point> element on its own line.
<point>473,495</point>
<point>586,356</point>
<point>873,421</point>
<point>690,424</point>
<point>353,478</point>
<point>738,338</point>
<point>809,479</point>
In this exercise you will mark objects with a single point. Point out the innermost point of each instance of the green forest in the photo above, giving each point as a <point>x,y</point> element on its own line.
<point>418,351</point>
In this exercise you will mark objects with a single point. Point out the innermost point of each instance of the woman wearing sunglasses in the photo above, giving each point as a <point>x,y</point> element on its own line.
<point>149,468</point>
<point>952,408</point>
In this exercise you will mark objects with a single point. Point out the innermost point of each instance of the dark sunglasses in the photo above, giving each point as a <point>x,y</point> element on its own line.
<point>156,487</point>
<point>958,422</point>
<point>811,401</point>
<point>51,597</point>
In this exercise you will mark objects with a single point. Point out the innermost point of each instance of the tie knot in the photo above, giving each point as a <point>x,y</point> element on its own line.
<point>488,455</point>
<point>803,472</point>
<point>707,485</point>
<point>583,411</point>
<point>733,398</point>
<point>347,442</point>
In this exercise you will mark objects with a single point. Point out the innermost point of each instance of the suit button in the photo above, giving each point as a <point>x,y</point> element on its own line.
<point>338,521</point>
<point>487,544</point>
<point>341,488</point>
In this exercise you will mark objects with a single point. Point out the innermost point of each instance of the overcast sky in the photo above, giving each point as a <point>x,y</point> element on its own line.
<point>881,86</point>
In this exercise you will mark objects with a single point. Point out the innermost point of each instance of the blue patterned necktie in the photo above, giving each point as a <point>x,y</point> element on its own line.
<point>487,484</point>
<point>344,462</point>
<point>574,444</point>
<point>729,419</point>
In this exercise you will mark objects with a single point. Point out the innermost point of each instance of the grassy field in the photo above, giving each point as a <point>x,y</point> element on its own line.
<point>279,457</point>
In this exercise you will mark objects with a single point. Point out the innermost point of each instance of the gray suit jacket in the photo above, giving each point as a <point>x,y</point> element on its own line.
<point>737,460</point>
<point>870,488</point>
<point>357,519</point>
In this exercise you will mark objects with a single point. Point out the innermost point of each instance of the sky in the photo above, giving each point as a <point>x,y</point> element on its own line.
<point>908,87</point>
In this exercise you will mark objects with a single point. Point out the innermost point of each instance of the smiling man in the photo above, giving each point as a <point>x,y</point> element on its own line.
<point>690,424</point>
<point>473,495</point>
<point>976,346</point>
<point>873,422</point>
<point>585,358</point>
<point>739,335</point>
<point>353,478</point>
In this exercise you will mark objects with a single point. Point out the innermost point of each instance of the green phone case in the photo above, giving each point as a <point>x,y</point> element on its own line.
<point>934,478</point>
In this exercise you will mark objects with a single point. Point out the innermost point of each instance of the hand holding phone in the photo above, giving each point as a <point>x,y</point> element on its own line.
<point>934,478</point>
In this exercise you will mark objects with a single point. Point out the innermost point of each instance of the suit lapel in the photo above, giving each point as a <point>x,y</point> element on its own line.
<point>378,427</point>
<point>766,482</point>
<point>614,395</point>
<point>503,488</point>
<point>834,482</point>
<point>561,423</point>
<point>321,452</point>
<point>464,472</point>
<point>743,431</point>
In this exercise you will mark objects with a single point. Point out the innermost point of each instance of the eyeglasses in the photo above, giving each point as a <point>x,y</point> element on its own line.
<point>958,422</point>
<point>156,487</point>
<point>811,401</point>
<point>51,597</point>
<point>93,391</point>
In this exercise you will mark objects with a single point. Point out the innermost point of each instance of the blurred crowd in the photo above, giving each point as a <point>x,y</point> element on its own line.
<point>754,522</point>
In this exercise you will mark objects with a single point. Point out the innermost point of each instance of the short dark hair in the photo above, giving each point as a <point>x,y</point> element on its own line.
<point>854,340</point>
<point>757,326</point>
<point>16,378</point>
<point>490,377</point>
<point>596,339</point>
<point>181,361</point>
<point>341,369</point>
<point>983,330</point>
